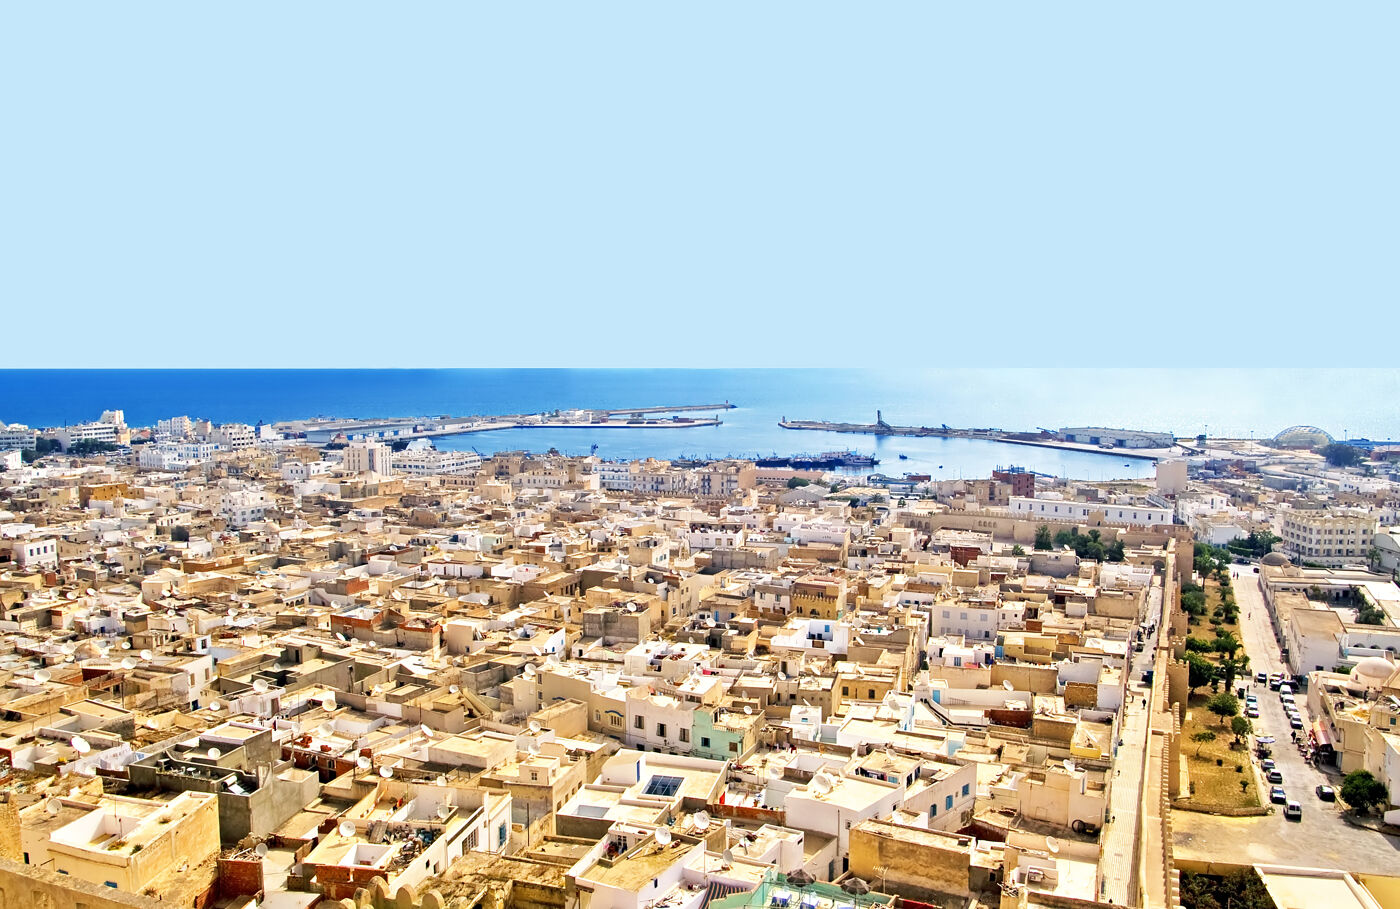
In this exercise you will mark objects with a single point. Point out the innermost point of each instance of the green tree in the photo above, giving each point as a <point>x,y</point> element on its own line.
<point>1043,537</point>
<point>1017,550</point>
<point>1201,671</point>
<point>1373,558</point>
<point>1240,726</point>
<point>1199,645</point>
<point>1339,454</point>
<point>1203,737</point>
<point>1065,537</point>
<point>1225,642</point>
<point>795,482</point>
<point>1223,705</point>
<point>1115,552</point>
<point>1362,791</point>
<point>1231,667</point>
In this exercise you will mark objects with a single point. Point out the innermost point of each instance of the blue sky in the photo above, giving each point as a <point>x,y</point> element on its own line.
<point>776,183</point>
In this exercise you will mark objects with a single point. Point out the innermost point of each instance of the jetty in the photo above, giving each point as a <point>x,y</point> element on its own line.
<point>1040,439</point>
<point>327,429</point>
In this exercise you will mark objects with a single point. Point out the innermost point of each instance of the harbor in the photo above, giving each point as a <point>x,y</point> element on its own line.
<point>1042,438</point>
<point>334,429</point>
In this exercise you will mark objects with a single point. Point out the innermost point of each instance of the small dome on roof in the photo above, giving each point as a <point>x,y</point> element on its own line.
<point>1373,670</point>
<point>1274,558</point>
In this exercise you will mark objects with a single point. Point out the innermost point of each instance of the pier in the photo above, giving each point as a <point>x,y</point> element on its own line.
<point>394,428</point>
<point>1037,439</point>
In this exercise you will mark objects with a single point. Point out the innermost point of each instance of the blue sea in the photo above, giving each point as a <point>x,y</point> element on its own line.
<point>1222,402</point>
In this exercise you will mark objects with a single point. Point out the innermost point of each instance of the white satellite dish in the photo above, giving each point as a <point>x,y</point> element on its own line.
<point>782,676</point>
<point>68,659</point>
<point>129,663</point>
<point>91,592</point>
<point>1006,683</point>
<point>67,647</point>
<point>328,703</point>
<point>529,670</point>
<point>340,637</point>
<point>261,686</point>
<point>261,850</point>
<point>146,654</point>
<point>663,837</point>
<point>80,744</point>
<point>1052,844</point>
<point>53,807</point>
<point>774,772</point>
<point>535,727</point>
<point>43,675</point>
<point>215,705</point>
<point>426,730</point>
<point>441,781</point>
<point>1069,765</point>
<point>363,762</point>
<point>821,784</point>
<point>152,723</point>
<point>126,645</point>
<point>702,820</point>
<point>346,828</point>
<point>728,856</point>
<point>214,754</point>
<point>748,711</point>
<point>443,811</point>
<point>386,772</point>
<point>453,689</point>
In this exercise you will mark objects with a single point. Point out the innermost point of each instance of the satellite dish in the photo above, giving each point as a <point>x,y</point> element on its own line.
<point>702,820</point>
<point>346,828</point>
<point>340,637</point>
<point>129,663</point>
<point>386,772</point>
<point>535,727</point>
<point>261,850</point>
<point>363,762</point>
<point>43,675</point>
<point>453,689</point>
<point>67,647</point>
<point>663,837</point>
<point>748,711</point>
<point>80,744</point>
<point>441,781</point>
<point>443,811</point>
<point>146,654</point>
<point>1069,765</point>
<point>214,754</point>
<point>774,772</point>
<point>90,592</point>
<point>821,784</point>
<point>426,730</point>
<point>1006,683</point>
<point>151,723</point>
<point>215,705</point>
<point>728,856</point>
<point>529,670</point>
<point>261,686</point>
<point>126,645</point>
<point>68,659</point>
<point>328,703</point>
<point>53,807</point>
<point>782,676</point>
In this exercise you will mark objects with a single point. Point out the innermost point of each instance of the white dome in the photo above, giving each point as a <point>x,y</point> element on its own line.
<point>1373,669</point>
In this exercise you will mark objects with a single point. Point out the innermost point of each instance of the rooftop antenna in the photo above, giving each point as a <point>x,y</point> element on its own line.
<point>346,828</point>
<point>80,744</point>
<point>535,727</point>
<point>663,837</point>
<point>386,772</point>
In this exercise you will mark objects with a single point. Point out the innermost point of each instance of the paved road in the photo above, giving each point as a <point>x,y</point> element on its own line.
<point>1121,836</point>
<point>1323,839</point>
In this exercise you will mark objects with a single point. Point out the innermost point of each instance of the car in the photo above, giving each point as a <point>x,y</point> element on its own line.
<point>1261,677</point>
<point>1327,793</point>
<point>1296,722</point>
<point>1277,795</point>
<point>1267,765</point>
<point>1293,811</point>
<point>1252,712</point>
<point>1274,682</point>
<point>1274,776</point>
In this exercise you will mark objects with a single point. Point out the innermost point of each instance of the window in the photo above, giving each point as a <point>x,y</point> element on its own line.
<point>733,747</point>
<point>666,786</point>
<point>661,729</point>
<point>640,723</point>
<point>872,693</point>
<point>704,741</point>
<point>845,690</point>
<point>685,735</point>
<point>501,835</point>
<point>615,719</point>
<point>965,789</point>
<point>948,803</point>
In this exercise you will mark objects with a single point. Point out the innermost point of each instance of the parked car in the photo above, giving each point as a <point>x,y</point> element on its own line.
<point>1267,765</point>
<point>1327,793</point>
<point>1274,776</point>
<point>1293,811</point>
<point>1295,721</point>
<point>1277,795</point>
<point>1261,677</point>
<point>1274,681</point>
<point>1252,712</point>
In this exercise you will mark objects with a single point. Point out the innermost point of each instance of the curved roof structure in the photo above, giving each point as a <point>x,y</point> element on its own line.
<point>1303,437</point>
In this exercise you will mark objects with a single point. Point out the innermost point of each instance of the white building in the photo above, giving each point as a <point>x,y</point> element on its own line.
<point>234,436</point>
<point>429,462</point>
<point>1049,510</point>
<point>175,455</point>
<point>368,457</point>
<point>1327,536</point>
<point>36,554</point>
<point>975,621</point>
<point>110,433</point>
<point>174,428</point>
<point>301,471</point>
<point>242,507</point>
<point>17,436</point>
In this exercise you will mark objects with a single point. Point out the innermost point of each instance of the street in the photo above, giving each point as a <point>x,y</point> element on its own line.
<point>1322,839</point>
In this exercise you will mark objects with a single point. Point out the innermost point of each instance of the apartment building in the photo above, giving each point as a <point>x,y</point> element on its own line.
<point>1327,536</point>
